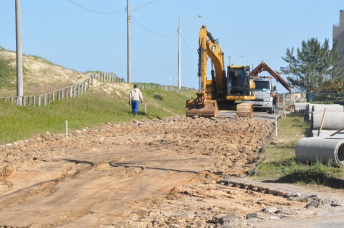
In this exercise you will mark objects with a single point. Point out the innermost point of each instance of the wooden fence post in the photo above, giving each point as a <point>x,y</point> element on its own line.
<point>39,100</point>
<point>78,88</point>
<point>74,91</point>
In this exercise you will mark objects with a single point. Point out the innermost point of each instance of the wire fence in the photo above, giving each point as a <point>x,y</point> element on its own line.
<point>78,90</point>
<point>73,91</point>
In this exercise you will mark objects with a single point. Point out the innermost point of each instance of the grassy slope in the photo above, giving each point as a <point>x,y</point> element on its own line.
<point>92,109</point>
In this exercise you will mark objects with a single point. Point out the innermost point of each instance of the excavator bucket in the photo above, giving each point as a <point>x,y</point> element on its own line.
<point>207,109</point>
<point>244,110</point>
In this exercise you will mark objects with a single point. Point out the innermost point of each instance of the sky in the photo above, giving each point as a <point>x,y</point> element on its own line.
<point>89,35</point>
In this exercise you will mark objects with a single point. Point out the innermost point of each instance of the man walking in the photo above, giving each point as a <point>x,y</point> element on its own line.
<point>135,96</point>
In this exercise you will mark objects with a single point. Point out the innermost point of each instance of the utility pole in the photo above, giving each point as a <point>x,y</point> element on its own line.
<point>128,44</point>
<point>128,38</point>
<point>19,56</point>
<point>179,57</point>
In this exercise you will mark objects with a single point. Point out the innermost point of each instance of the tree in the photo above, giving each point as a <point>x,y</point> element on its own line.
<point>313,65</point>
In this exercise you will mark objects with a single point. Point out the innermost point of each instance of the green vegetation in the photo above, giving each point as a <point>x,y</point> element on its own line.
<point>279,162</point>
<point>312,65</point>
<point>90,110</point>
<point>7,72</point>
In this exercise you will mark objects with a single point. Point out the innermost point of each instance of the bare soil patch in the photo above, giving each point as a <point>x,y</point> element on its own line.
<point>171,172</point>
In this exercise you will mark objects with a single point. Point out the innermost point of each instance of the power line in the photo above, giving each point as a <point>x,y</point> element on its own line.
<point>121,12</point>
<point>142,5</point>
<point>188,45</point>
<point>152,31</point>
<point>93,10</point>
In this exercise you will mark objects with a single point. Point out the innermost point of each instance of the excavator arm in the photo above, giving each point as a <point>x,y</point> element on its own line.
<point>216,56</point>
<point>205,104</point>
<point>264,67</point>
<point>208,46</point>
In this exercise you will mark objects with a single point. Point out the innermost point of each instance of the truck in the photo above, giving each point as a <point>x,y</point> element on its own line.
<point>226,86</point>
<point>265,90</point>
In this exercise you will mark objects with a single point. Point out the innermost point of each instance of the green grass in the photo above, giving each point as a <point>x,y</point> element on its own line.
<point>90,110</point>
<point>7,72</point>
<point>279,162</point>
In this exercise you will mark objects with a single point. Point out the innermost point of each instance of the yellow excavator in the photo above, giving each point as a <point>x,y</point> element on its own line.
<point>223,88</point>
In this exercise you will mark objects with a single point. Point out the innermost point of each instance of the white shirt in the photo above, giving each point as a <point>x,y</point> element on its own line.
<point>135,95</point>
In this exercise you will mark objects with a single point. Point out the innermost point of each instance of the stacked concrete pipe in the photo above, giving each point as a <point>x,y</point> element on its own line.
<point>314,108</point>
<point>325,148</point>
<point>300,107</point>
<point>333,120</point>
<point>331,108</point>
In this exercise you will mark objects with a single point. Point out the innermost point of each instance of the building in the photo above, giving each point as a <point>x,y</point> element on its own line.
<point>338,37</point>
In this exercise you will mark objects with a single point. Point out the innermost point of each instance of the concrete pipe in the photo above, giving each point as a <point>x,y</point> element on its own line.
<point>332,120</point>
<point>322,149</point>
<point>329,108</point>
<point>308,112</point>
<point>300,107</point>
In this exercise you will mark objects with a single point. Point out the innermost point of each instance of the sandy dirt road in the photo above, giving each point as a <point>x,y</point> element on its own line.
<point>174,172</point>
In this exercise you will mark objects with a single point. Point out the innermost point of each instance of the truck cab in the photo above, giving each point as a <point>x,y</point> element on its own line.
<point>264,91</point>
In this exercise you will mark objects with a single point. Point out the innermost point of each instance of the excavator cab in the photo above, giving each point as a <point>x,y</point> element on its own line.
<point>239,85</point>
<point>240,88</point>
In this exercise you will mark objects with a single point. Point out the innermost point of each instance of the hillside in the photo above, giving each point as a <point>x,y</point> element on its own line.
<point>103,102</point>
<point>40,75</point>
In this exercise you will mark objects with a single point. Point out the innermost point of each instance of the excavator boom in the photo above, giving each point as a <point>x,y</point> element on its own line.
<point>205,105</point>
<point>264,67</point>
